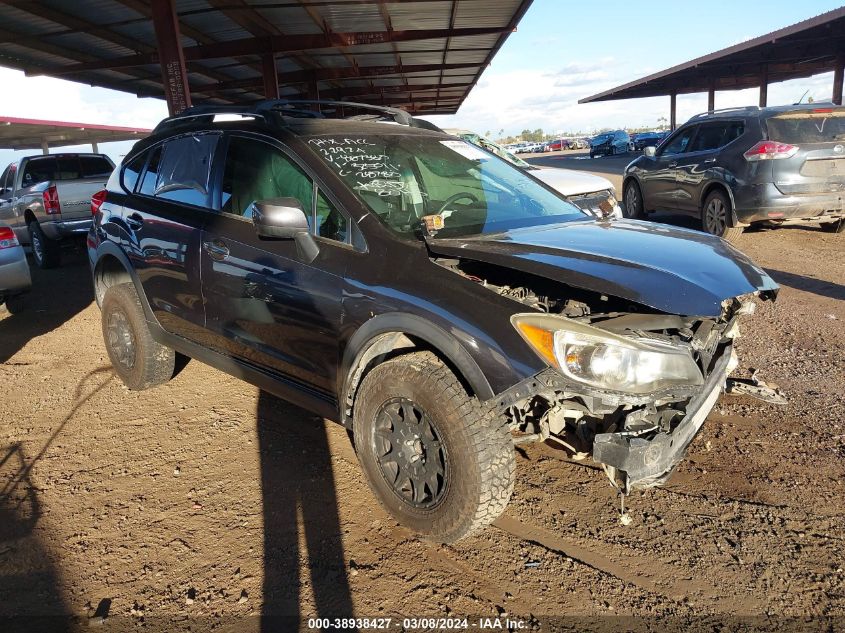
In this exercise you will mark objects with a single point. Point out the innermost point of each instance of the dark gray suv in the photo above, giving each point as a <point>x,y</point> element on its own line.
<point>744,166</point>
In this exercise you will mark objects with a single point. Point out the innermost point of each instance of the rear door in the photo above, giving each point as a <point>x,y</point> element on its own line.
<point>818,165</point>
<point>659,179</point>
<point>162,225</point>
<point>264,303</point>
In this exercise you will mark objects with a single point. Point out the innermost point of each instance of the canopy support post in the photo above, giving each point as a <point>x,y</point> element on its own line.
<point>95,148</point>
<point>838,73</point>
<point>711,97</point>
<point>271,76</point>
<point>673,102</point>
<point>171,57</point>
<point>764,85</point>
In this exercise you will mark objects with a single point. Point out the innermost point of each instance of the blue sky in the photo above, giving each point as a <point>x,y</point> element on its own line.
<point>562,51</point>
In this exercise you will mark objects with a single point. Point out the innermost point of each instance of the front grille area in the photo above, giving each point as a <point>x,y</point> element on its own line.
<point>600,203</point>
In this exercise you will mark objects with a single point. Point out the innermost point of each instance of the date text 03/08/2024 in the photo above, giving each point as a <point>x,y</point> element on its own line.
<point>424,623</point>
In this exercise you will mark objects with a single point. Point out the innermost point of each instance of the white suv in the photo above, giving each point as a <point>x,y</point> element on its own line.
<point>592,194</point>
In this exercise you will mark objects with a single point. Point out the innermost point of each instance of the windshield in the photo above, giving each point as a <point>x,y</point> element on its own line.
<point>402,178</point>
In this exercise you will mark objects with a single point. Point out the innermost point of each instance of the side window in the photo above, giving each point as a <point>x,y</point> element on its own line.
<point>132,171</point>
<point>710,136</point>
<point>734,131</point>
<point>331,223</point>
<point>3,184</point>
<point>258,171</point>
<point>148,184</point>
<point>185,169</point>
<point>679,143</point>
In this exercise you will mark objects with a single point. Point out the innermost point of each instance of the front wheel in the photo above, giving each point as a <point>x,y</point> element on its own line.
<point>834,227</point>
<point>715,217</point>
<point>632,202</point>
<point>138,360</point>
<point>438,461</point>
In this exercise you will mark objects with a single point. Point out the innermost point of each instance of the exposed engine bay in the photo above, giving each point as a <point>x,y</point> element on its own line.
<point>611,424</point>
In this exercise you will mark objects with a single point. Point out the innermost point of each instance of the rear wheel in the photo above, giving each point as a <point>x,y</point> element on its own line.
<point>13,305</point>
<point>439,462</point>
<point>715,217</point>
<point>138,360</point>
<point>834,227</point>
<point>47,253</point>
<point>632,201</point>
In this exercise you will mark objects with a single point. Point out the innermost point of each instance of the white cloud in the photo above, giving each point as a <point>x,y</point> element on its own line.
<point>531,99</point>
<point>55,99</point>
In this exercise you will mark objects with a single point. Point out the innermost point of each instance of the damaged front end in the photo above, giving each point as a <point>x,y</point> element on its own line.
<point>631,389</point>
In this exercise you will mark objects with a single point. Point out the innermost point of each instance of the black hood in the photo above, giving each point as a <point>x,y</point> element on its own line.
<point>664,267</point>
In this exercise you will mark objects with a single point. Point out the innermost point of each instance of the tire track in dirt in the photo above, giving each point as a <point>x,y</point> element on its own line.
<point>646,573</point>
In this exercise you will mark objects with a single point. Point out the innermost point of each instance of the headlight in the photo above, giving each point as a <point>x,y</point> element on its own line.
<point>605,360</point>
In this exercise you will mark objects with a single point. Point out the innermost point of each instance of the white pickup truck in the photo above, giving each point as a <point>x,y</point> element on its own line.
<point>46,199</point>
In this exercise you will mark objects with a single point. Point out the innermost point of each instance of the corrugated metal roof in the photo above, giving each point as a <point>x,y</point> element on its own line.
<point>403,45</point>
<point>803,49</point>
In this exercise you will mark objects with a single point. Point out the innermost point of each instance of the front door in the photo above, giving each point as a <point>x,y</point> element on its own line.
<point>660,184</point>
<point>265,304</point>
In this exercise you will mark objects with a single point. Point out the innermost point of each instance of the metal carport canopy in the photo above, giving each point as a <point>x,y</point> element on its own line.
<point>17,134</point>
<point>425,55</point>
<point>807,48</point>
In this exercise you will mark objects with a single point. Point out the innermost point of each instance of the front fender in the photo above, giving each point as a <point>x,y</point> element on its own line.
<point>410,325</point>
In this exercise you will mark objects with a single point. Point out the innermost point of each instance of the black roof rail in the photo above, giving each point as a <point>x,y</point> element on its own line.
<point>195,113</point>
<point>292,106</point>
<point>710,113</point>
<point>296,108</point>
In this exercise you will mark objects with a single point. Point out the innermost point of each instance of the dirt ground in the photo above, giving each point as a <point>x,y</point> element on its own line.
<point>201,503</point>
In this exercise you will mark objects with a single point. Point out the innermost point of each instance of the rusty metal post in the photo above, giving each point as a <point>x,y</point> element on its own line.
<point>764,86</point>
<point>271,76</point>
<point>171,58</point>
<point>838,73</point>
<point>673,99</point>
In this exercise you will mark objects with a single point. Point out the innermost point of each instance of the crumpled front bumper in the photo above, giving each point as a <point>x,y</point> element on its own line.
<point>643,463</point>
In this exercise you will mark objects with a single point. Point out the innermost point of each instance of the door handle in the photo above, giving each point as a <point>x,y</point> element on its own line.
<point>674,163</point>
<point>217,250</point>
<point>135,221</point>
<point>710,160</point>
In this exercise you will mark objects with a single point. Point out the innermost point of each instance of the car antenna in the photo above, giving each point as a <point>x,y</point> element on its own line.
<point>802,96</point>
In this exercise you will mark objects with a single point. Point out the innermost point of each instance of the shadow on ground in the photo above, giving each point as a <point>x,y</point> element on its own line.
<point>299,497</point>
<point>57,296</point>
<point>808,284</point>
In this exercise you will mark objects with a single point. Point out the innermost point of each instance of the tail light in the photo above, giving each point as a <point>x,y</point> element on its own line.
<point>51,201</point>
<point>770,150</point>
<point>97,201</point>
<point>7,238</point>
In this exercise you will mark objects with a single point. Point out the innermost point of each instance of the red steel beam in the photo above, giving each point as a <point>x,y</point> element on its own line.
<point>174,76</point>
<point>276,44</point>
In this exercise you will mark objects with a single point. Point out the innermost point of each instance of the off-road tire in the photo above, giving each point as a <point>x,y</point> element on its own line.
<point>47,253</point>
<point>632,201</point>
<point>837,226</point>
<point>149,364</point>
<point>480,456</point>
<point>719,227</point>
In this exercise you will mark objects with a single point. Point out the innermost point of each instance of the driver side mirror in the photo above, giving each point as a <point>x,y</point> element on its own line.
<point>284,218</point>
<point>649,151</point>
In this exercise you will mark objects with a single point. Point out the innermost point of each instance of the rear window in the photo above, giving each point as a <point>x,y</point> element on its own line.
<point>95,166</point>
<point>65,168</point>
<point>807,127</point>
